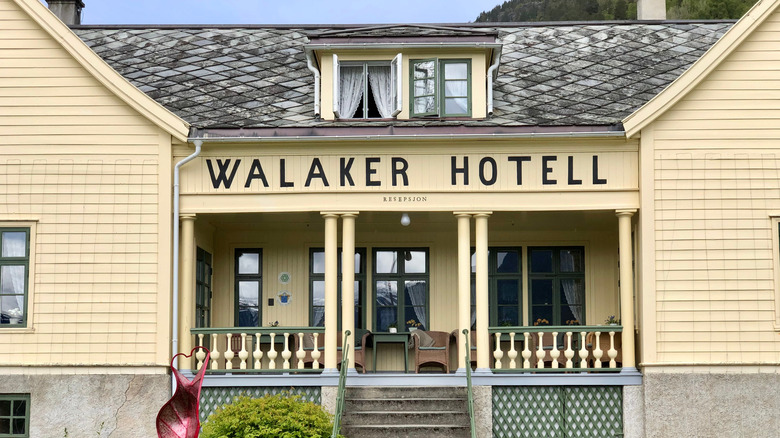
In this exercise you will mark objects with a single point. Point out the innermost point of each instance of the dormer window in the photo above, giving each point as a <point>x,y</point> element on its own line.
<point>366,90</point>
<point>441,87</point>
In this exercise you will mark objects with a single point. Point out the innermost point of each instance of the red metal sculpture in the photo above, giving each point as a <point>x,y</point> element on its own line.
<point>178,418</point>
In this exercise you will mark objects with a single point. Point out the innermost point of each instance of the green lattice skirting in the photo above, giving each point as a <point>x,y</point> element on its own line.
<point>212,398</point>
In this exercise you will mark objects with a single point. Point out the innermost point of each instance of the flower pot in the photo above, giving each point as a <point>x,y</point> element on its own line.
<point>411,329</point>
<point>392,330</point>
<point>14,320</point>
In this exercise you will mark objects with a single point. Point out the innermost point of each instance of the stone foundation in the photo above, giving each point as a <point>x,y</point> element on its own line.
<point>91,405</point>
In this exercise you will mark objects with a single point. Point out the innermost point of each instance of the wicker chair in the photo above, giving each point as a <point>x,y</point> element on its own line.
<point>438,353</point>
<point>360,349</point>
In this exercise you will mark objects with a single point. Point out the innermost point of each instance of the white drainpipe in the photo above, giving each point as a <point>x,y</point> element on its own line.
<point>310,65</point>
<point>175,338</point>
<point>490,73</point>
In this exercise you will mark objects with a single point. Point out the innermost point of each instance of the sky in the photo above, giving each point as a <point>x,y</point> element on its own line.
<point>282,11</point>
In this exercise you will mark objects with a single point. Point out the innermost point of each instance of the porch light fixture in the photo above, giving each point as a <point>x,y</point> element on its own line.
<point>405,221</point>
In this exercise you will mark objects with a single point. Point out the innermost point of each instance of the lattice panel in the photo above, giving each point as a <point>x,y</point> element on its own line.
<point>212,398</point>
<point>593,412</point>
<point>557,412</point>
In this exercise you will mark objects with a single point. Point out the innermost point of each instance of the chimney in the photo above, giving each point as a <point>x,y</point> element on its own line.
<point>651,10</point>
<point>69,11</point>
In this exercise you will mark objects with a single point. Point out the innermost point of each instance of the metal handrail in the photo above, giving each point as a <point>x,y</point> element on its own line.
<point>342,387</point>
<point>468,385</point>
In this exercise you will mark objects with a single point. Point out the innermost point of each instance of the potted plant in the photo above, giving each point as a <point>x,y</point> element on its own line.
<point>612,320</point>
<point>14,316</point>
<point>413,325</point>
<point>541,321</point>
<point>393,328</point>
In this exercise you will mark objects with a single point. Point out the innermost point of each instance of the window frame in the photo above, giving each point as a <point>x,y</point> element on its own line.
<point>395,65</point>
<point>248,277</point>
<point>203,283</point>
<point>13,398</point>
<point>400,276</point>
<point>19,261</point>
<point>556,275</point>
<point>361,277</point>
<point>439,87</point>
<point>494,276</point>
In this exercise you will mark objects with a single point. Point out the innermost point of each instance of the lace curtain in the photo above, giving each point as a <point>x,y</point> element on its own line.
<point>572,289</point>
<point>351,89</point>
<point>381,89</point>
<point>415,290</point>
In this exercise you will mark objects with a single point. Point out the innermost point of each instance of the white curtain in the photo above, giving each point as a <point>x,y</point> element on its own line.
<point>351,86</point>
<point>571,287</point>
<point>415,290</point>
<point>381,89</point>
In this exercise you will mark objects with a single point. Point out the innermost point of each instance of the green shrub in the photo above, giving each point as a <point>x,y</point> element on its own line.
<point>272,416</point>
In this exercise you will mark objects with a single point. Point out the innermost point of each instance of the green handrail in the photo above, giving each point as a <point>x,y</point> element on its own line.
<point>468,385</point>
<point>342,386</point>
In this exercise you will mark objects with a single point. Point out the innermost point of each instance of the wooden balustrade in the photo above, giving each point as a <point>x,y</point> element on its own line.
<point>557,348</point>
<point>260,349</point>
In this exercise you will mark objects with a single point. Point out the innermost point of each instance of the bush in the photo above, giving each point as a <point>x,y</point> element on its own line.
<point>272,416</point>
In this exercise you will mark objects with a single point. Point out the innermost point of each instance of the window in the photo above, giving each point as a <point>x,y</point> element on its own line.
<point>203,289</point>
<point>317,287</point>
<point>440,87</point>
<point>557,281</point>
<point>14,274</point>
<point>407,269</point>
<point>505,287</point>
<point>249,287</point>
<point>366,90</point>
<point>15,415</point>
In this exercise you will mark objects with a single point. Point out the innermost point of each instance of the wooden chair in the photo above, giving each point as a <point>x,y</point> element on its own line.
<point>363,337</point>
<point>438,353</point>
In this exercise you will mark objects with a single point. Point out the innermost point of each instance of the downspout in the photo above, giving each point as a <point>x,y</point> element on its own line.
<point>312,68</point>
<point>492,71</point>
<point>175,337</point>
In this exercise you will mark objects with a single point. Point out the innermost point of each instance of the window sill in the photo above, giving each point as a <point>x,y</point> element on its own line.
<point>17,330</point>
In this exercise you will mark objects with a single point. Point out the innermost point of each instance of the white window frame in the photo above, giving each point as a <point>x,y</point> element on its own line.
<point>396,77</point>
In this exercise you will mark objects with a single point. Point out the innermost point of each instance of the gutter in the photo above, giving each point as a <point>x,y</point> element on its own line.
<point>310,64</point>
<point>175,334</point>
<point>413,45</point>
<point>492,73</point>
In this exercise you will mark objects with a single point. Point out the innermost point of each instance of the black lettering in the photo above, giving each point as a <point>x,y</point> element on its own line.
<point>316,171</point>
<point>282,177</point>
<point>400,171</point>
<point>547,170</point>
<point>572,181</point>
<point>256,172</point>
<point>464,170</point>
<point>519,163</point>
<point>493,173</point>
<point>345,166</point>
<point>371,171</point>
<point>596,179</point>
<point>222,178</point>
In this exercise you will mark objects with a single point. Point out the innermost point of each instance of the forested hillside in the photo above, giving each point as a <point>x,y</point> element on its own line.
<point>586,10</point>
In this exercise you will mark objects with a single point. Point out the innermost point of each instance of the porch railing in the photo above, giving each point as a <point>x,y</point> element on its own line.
<point>557,348</point>
<point>261,349</point>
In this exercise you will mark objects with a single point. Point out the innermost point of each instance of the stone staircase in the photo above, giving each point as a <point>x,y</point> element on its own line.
<point>411,412</point>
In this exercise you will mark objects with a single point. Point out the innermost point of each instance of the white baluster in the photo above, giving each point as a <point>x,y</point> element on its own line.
<point>512,352</point>
<point>315,354</point>
<point>555,353</point>
<point>286,353</point>
<point>612,351</point>
<point>229,355</point>
<point>258,354</point>
<point>526,351</point>
<point>201,353</point>
<point>498,354</point>
<point>569,353</point>
<point>300,354</point>
<point>272,353</point>
<point>597,352</point>
<point>540,352</point>
<point>243,354</point>
<point>583,351</point>
<point>214,352</point>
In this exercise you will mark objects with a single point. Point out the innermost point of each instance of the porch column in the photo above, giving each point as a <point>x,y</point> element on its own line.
<point>186,288</point>
<point>331,290</point>
<point>464,286</point>
<point>483,315</point>
<point>626,288</point>
<point>348,283</point>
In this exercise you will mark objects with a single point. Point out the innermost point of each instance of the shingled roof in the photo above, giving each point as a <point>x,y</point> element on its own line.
<point>591,74</point>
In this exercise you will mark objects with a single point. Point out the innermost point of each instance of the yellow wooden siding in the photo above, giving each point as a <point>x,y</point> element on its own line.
<point>86,167</point>
<point>287,238</point>
<point>717,170</point>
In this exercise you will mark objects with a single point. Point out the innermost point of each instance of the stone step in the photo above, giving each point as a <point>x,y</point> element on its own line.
<point>405,404</point>
<point>384,418</point>
<point>407,431</point>
<point>414,392</point>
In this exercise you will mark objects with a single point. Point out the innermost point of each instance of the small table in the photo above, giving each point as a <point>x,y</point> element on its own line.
<point>392,338</point>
